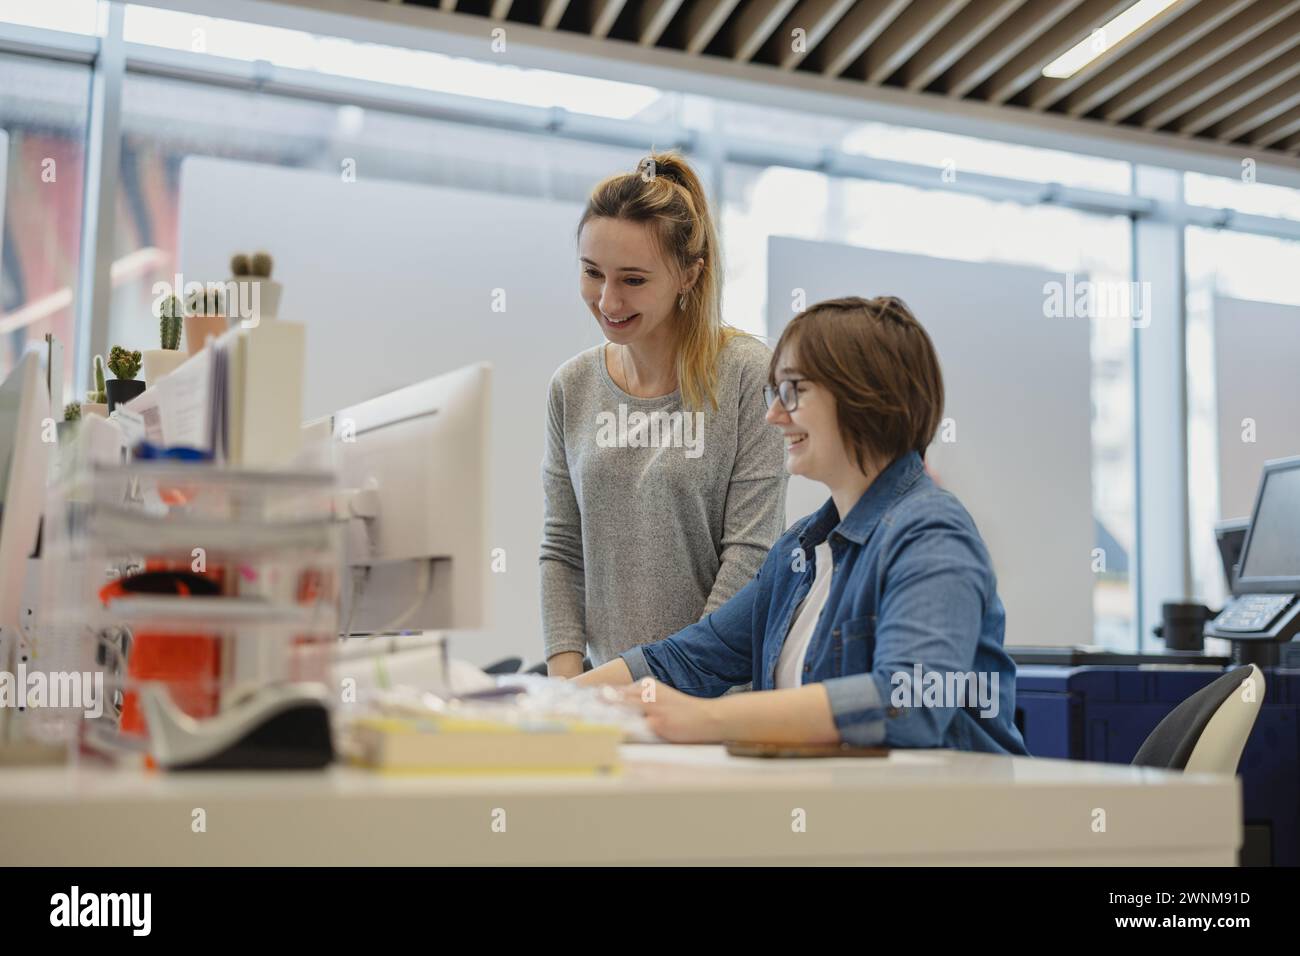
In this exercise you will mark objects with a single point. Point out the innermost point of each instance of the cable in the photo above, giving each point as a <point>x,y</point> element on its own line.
<point>415,605</point>
<point>358,588</point>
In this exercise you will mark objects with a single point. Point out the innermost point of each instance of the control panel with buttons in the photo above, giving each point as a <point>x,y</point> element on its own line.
<point>1256,616</point>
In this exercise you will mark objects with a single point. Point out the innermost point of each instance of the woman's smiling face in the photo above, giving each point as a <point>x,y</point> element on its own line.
<point>814,447</point>
<point>627,285</point>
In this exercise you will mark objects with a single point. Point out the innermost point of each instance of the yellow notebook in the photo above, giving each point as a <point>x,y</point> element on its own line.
<point>443,744</point>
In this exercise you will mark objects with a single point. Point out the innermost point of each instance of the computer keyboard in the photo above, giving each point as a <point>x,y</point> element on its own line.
<point>1252,612</point>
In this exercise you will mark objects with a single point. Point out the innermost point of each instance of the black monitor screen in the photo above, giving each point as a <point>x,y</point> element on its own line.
<point>1273,550</point>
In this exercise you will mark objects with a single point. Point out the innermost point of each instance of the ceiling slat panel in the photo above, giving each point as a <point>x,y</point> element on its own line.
<point>857,31</point>
<point>974,23</point>
<point>704,20</point>
<point>1245,91</point>
<point>1063,35</point>
<point>747,31</point>
<point>653,18</point>
<point>1112,74</point>
<point>816,18</point>
<point>603,15</point>
<point>1277,129</point>
<point>1254,115</point>
<point>1215,71</point>
<point>1168,81</point>
<point>1223,82</point>
<point>906,35</point>
<point>552,11</point>
<point>998,48</point>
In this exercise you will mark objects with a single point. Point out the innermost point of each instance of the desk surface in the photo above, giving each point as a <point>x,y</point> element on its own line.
<point>669,804</point>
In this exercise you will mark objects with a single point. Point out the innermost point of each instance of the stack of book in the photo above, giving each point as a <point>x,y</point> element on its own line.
<point>440,743</point>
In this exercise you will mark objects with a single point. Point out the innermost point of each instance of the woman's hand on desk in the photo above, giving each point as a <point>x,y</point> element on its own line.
<point>796,715</point>
<point>674,716</point>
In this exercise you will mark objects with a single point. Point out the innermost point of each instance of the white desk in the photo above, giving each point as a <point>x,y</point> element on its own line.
<point>670,804</point>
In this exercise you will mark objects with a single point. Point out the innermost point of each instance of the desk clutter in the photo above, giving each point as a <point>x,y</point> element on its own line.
<point>208,599</point>
<point>179,556</point>
<point>199,593</point>
<point>419,711</point>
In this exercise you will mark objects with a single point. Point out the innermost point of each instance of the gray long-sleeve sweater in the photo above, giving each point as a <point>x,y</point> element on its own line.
<point>654,516</point>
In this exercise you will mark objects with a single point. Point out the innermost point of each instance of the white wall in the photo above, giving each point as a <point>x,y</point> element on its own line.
<point>1257,362</point>
<point>1017,387</point>
<point>4,187</point>
<point>395,283</point>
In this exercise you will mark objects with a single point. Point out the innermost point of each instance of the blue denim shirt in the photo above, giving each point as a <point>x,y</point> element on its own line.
<point>909,642</point>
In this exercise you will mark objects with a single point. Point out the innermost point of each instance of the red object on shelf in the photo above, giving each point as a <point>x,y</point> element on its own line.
<point>189,664</point>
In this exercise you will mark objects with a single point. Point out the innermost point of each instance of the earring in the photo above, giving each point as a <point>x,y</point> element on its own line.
<point>681,302</point>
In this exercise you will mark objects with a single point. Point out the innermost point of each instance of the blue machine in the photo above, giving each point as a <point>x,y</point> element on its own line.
<point>1081,704</point>
<point>1103,712</point>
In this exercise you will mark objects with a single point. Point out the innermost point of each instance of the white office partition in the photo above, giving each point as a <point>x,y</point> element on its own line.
<point>1256,358</point>
<point>399,282</point>
<point>4,187</point>
<point>1017,414</point>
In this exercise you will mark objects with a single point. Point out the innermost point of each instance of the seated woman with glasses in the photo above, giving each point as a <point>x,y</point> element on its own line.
<point>876,619</point>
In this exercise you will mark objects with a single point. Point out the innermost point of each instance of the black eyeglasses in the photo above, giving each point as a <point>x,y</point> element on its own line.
<point>786,391</point>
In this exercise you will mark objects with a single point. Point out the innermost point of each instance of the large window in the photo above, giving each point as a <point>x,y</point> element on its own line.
<point>165,121</point>
<point>1247,278</point>
<point>44,107</point>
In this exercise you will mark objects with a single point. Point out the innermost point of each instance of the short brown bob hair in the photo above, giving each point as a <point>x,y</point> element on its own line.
<point>878,362</point>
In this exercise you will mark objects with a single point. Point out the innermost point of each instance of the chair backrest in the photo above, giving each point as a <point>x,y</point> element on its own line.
<point>1207,732</point>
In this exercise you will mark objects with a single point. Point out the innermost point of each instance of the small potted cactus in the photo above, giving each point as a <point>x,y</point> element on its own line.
<point>96,402</point>
<point>68,427</point>
<point>160,361</point>
<point>205,318</point>
<point>126,366</point>
<point>71,417</point>
<point>259,293</point>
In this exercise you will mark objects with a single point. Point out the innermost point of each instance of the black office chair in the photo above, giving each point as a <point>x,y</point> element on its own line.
<point>1207,732</point>
<point>507,665</point>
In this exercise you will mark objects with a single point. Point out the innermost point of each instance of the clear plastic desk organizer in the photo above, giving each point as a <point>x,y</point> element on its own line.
<point>214,582</point>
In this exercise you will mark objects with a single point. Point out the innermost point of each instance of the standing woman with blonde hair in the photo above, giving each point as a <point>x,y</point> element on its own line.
<point>664,486</point>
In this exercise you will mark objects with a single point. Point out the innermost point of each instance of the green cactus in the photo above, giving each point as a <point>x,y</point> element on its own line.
<point>262,264</point>
<point>239,266</point>
<point>125,365</point>
<point>99,395</point>
<point>72,412</point>
<point>170,314</point>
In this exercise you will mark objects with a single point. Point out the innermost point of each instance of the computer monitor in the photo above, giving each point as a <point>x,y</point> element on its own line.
<point>1230,535</point>
<point>1270,557</point>
<point>24,463</point>
<point>414,463</point>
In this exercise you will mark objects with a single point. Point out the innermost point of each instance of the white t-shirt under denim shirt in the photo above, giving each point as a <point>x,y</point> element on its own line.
<point>654,516</point>
<point>789,666</point>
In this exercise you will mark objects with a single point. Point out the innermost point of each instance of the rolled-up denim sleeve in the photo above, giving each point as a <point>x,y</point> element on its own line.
<point>858,709</point>
<point>707,658</point>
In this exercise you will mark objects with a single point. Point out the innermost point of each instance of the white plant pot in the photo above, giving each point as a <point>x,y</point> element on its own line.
<point>261,296</point>
<point>94,408</point>
<point>160,362</point>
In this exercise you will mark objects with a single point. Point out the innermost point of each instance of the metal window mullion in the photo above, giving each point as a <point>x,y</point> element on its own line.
<point>103,162</point>
<point>48,44</point>
<point>1160,404</point>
